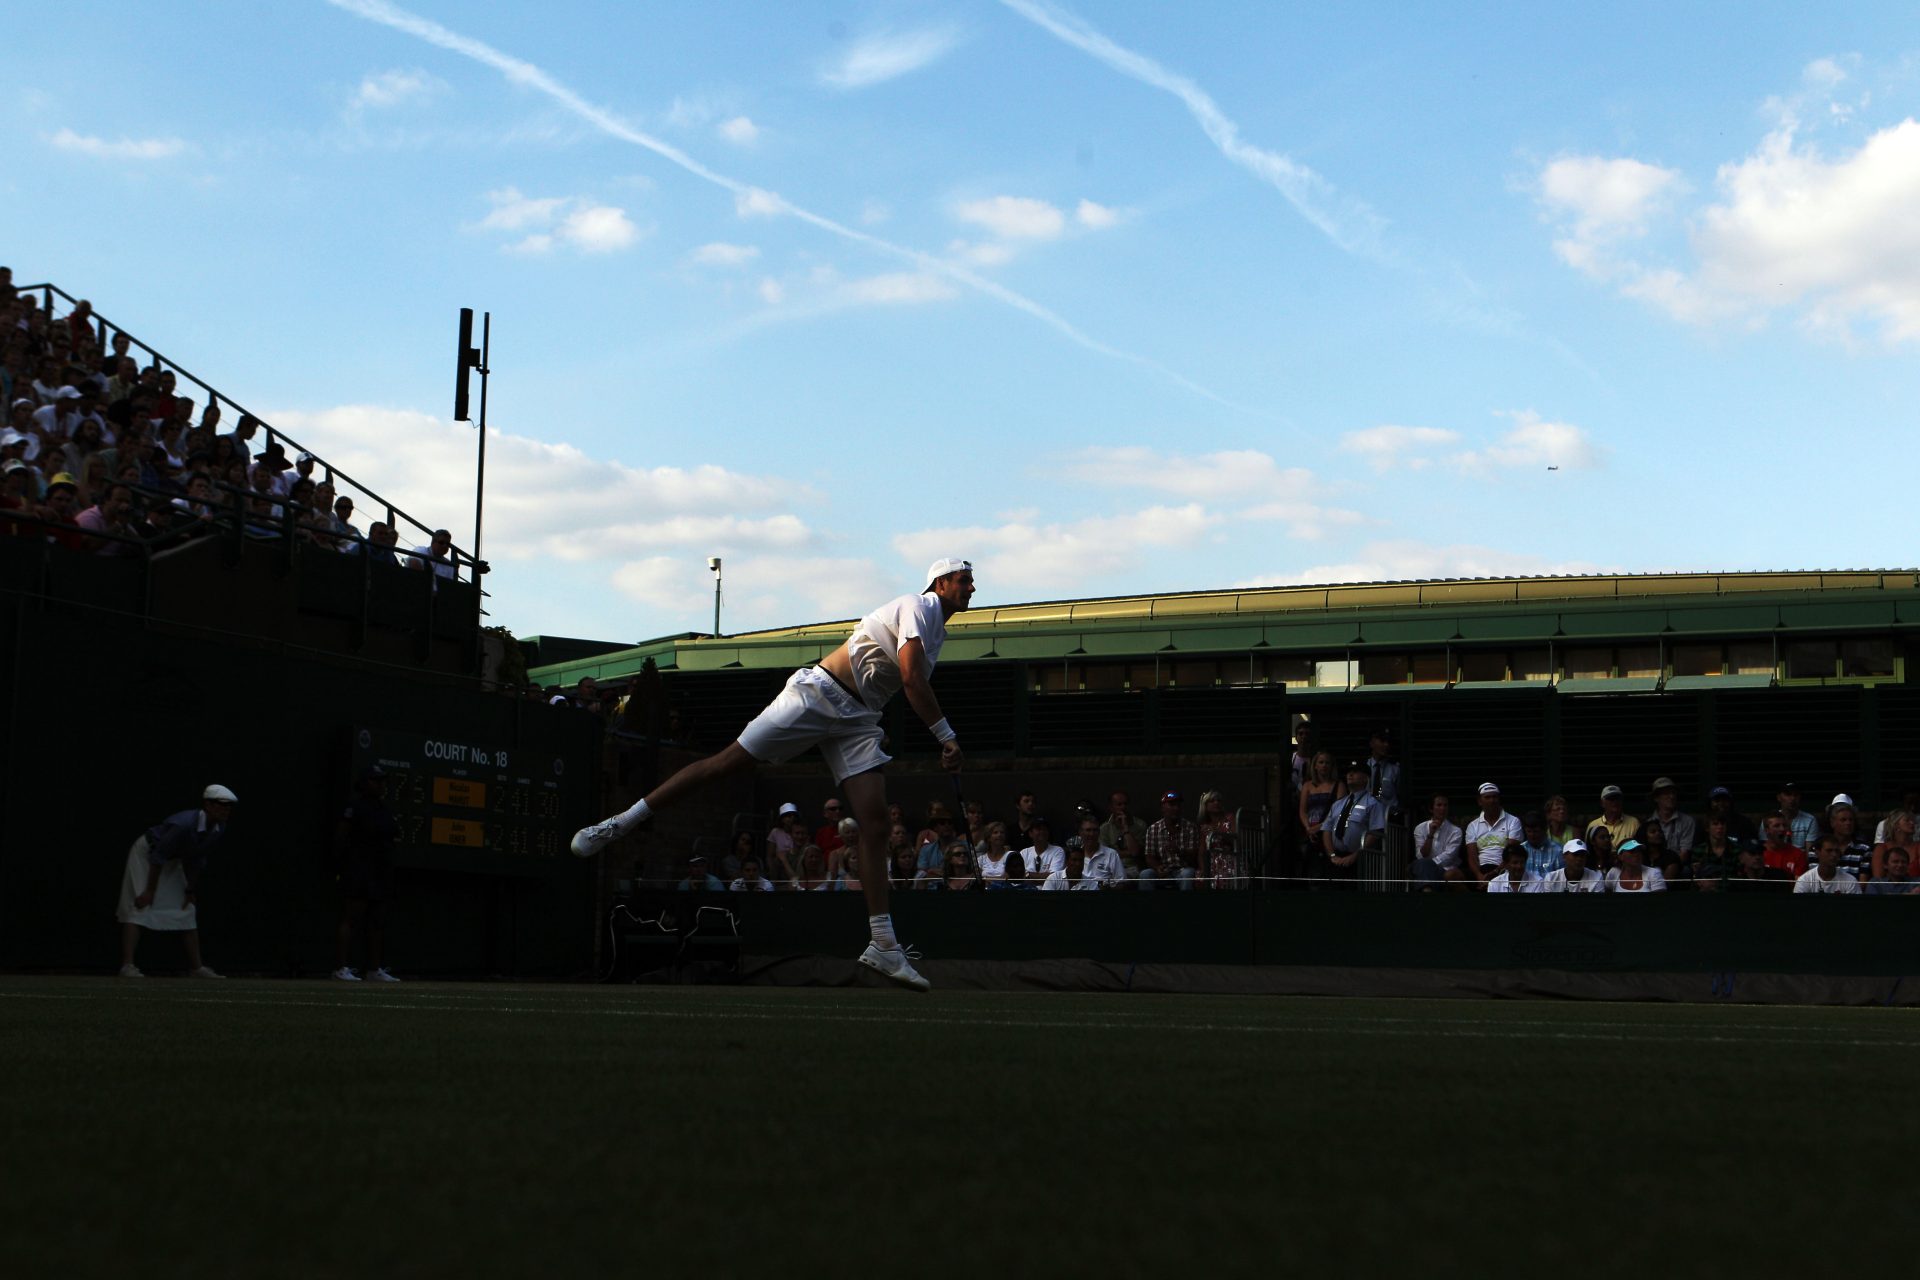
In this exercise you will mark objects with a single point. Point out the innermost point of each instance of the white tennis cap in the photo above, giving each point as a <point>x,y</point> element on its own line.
<point>218,792</point>
<point>1842,799</point>
<point>789,807</point>
<point>941,568</point>
<point>1574,846</point>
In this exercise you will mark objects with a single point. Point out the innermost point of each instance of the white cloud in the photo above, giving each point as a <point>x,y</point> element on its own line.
<point>1605,197</point>
<point>1394,560</point>
<point>1096,217</point>
<point>552,221</point>
<point>1014,217</point>
<point>1389,446</point>
<point>884,56</point>
<point>120,149</point>
<point>721,254</point>
<point>756,203</point>
<point>1026,556</point>
<point>384,89</point>
<point>1533,442</point>
<point>874,212</point>
<point>1829,237</point>
<point>1307,521</point>
<point>740,131</point>
<point>1229,473</point>
<point>767,589</point>
<point>772,292</point>
<point>990,253</point>
<point>897,287</point>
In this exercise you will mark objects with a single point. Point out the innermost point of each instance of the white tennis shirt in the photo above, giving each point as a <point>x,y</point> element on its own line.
<point>874,647</point>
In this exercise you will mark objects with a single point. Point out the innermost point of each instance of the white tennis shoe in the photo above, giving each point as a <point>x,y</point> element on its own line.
<point>381,975</point>
<point>895,965</point>
<point>344,974</point>
<point>588,841</point>
<point>131,971</point>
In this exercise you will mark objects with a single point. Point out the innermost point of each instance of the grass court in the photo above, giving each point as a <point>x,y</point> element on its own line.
<point>173,1127</point>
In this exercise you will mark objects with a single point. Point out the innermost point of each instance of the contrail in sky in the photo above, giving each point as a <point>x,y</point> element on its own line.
<point>745,194</point>
<point>1355,228</point>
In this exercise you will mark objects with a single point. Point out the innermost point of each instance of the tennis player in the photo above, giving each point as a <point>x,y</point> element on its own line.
<point>836,706</point>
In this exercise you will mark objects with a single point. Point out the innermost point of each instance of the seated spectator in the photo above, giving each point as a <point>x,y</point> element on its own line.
<point>1490,835</point>
<point>738,855</point>
<point>934,836</point>
<point>1631,875</point>
<point>1172,848</point>
<point>1779,852</point>
<point>848,875</point>
<point>1909,803</point>
<point>1436,846</point>
<point>436,555</point>
<point>1125,834</point>
<point>1856,855</point>
<point>1801,825</point>
<point>1599,844</point>
<point>903,863</point>
<point>1895,880</point>
<point>1560,826</point>
<point>812,874</point>
<point>1024,807</point>
<point>1826,875</point>
<point>698,879</point>
<point>974,819</point>
<point>1654,851</point>
<point>1220,848</point>
<point>1018,875</point>
<point>1717,854</point>
<point>343,521</point>
<point>1898,831</point>
<point>1543,852</point>
<point>848,833</point>
<point>111,515</point>
<point>381,540</point>
<point>750,880</point>
<point>196,510</point>
<point>1319,789</point>
<point>1678,827</point>
<point>1574,875</point>
<point>784,840</point>
<point>1620,825</point>
<point>960,872</point>
<point>1751,872</point>
<point>59,509</point>
<point>1514,876</point>
<point>1102,863</point>
<point>1073,875</point>
<point>1043,857</point>
<point>827,834</point>
<point>993,858</point>
<point>16,495</point>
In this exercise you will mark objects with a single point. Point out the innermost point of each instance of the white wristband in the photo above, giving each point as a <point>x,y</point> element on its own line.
<point>942,731</point>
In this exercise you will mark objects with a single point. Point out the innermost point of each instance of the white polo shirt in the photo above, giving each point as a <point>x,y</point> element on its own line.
<point>1044,862</point>
<point>874,647</point>
<point>1810,882</point>
<point>1104,864</point>
<point>1590,882</point>
<point>1058,880</point>
<point>1528,883</point>
<point>1490,838</point>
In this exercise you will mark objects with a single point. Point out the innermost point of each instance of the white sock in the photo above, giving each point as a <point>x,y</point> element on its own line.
<point>881,927</point>
<point>632,818</point>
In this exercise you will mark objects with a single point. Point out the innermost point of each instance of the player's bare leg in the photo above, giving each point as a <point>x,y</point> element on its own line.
<point>591,840</point>
<point>867,797</point>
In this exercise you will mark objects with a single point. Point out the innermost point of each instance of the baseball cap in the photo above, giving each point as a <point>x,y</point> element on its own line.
<point>1842,799</point>
<point>15,465</point>
<point>218,792</point>
<point>67,393</point>
<point>789,807</point>
<point>1719,793</point>
<point>1171,797</point>
<point>306,457</point>
<point>28,401</point>
<point>1037,820</point>
<point>1663,784</point>
<point>10,436</point>
<point>1608,792</point>
<point>941,568</point>
<point>1489,788</point>
<point>1788,788</point>
<point>63,478</point>
<point>1574,846</point>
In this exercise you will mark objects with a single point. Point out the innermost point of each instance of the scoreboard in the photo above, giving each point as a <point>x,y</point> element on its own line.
<point>474,806</point>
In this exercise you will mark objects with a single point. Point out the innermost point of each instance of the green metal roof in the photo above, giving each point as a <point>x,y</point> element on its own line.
<point>1357,616</point>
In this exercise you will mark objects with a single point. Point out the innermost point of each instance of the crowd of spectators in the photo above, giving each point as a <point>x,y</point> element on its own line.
<point>100,454</point>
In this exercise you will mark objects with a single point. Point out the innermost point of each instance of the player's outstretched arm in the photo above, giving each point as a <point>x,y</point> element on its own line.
<point>915,682</point>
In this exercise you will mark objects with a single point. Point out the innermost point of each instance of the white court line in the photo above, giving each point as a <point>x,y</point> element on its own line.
<point>1204,1028</point>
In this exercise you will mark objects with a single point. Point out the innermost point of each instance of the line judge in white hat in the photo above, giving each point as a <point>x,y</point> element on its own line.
<point>836,705</point>
<point>160,888</point>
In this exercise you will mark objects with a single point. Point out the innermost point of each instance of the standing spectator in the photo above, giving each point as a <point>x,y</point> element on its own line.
<point>160,889</point>
<point>363,852</point>
<point>1436,844</point>
<point>1073,875</point>
<point>1383,772</point>
<point>1301,766</point>
<point>1125,834</point>
<point>1102,862</point>
<point>1896,880</point>
<point>1318,792</point>
<point>436,555</point>
<point>1856,855</point>
<point>1621,826</point>
<point>1717,854</point>
<point>1898,833</point>
<point>1560,828</point>
<point>1542,850</point>
<point>1043,857</point>
<point>1172,848</point>
<point>1491,834</point>
<point>1357,822</point>
<point>1515,877</point>
<point>1826,875</point>
<point>1574,875</point>
<point>1800,824</point>
<point>1739,826</point>
<point>1780,852</point>
<point>1679,827</point>
<point>750,879</point>
<point>784,840</point>
<point>1221,848</point>
<point>827,834</point>
<point>1631,875</point>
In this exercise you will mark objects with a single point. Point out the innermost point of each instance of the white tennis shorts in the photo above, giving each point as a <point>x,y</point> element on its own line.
<point>813,710</point>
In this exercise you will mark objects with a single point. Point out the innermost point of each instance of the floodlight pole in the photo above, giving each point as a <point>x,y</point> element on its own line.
<point>480,483</point>
<point>713,563</point>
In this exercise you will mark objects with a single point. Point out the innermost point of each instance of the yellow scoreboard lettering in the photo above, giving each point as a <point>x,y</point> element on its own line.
<point>460,792</point>
<point>459,831</point>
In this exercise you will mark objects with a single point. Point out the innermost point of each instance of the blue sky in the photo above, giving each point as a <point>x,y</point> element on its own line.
<point>1111,298</point>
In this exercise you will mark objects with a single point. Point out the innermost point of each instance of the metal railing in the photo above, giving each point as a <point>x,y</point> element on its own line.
<point>104,328</point>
